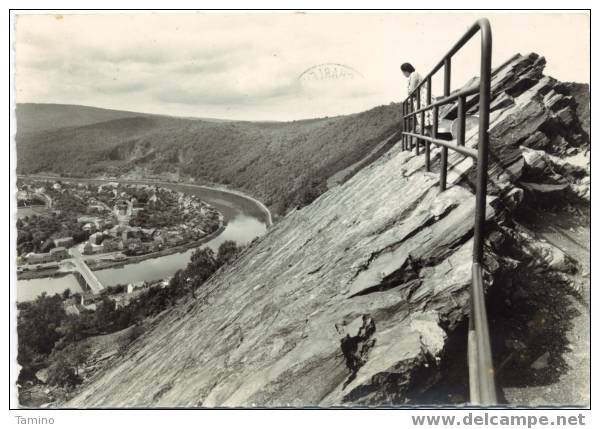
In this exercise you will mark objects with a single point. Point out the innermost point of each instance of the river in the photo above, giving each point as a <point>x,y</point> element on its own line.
<point>246,219</point>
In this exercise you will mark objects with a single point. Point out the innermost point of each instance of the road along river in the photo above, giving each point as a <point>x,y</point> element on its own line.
<point>246,219</point>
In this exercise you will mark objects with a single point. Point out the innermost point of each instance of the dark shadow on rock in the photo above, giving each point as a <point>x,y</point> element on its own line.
<point>452,387</point>
<point>356,348</point>
<point>529,321</point>
<point>531,311</point>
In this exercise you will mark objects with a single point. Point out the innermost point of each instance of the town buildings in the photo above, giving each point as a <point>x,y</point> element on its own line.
<point>132,219</point>
<point>54,255</point>
<point>63,242</point>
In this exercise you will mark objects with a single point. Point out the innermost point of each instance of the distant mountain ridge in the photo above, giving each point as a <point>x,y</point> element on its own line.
<point>36,117</point>
<point>286,164</point>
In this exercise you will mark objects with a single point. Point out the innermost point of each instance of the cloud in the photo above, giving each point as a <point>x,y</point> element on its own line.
<point>247,66</point>
<point>116,87</point>
<point>205,65</point>
<point>227,88</point>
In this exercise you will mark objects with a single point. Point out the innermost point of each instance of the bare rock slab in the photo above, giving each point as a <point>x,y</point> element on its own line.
<point>340,303</point>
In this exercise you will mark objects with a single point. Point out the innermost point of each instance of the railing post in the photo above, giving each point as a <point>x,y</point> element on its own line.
<point>403,145</point>
<point>413,122</point>
<point>406,125</point>
<point>472,358</point>
<point>447,74</point>
<point>485,364</point>
<point>434,128</point>
<point>444,157</point>
<point>409,124</point>
<point>428,91</point>
<point>421,116</point>
<point>482,146</point>
<point>427,144</point>
<point>460,129</point>
<point>407,142</point>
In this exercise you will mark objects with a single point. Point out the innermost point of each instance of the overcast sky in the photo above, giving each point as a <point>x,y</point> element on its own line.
<point>248,66</point>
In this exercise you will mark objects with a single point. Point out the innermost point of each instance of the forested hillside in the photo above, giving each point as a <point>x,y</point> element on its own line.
<point>283,163</point>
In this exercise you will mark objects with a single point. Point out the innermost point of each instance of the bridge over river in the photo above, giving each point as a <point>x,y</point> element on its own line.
<point>85,271</point>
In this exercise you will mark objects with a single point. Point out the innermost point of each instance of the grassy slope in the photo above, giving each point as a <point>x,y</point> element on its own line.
<point>278,162</point>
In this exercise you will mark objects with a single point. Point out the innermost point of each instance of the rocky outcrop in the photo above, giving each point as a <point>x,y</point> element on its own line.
<point>548,177</point>
<point>529,112</point>
<point>349,300</point>
<point>581,93</point>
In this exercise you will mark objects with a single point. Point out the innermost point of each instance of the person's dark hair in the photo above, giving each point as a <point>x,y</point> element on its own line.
<point>407,67</point>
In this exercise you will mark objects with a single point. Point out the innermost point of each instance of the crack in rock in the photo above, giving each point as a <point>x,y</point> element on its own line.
<point>356,348</point>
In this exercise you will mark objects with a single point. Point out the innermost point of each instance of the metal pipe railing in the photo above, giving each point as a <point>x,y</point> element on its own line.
<point>467,151</point>
<point>447,100</point>
<point>482,387</point>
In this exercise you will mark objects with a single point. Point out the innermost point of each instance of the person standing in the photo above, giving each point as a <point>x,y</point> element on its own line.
<point>414,79</point>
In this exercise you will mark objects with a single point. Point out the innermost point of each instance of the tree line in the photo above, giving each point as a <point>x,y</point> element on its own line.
<point>50,338</point>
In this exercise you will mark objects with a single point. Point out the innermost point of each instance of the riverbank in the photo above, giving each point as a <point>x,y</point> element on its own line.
<point>105,264</point>
<point>39,274</point>
<point>221,188</point>
<point>268,215</point>
<point>164,252</point>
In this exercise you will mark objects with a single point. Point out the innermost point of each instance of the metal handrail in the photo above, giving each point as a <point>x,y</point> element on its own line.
<point>467,151</point>
<point>446,100</point>
<point>482,387</point>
